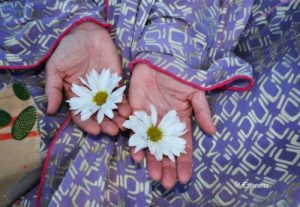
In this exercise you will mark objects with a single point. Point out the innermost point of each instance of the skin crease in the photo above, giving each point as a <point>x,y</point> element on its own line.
<point>75,57</point>
<point>167,94</point>
<point>87,46</point>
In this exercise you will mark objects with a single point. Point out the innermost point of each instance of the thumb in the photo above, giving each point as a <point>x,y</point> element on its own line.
<point>202,112</point>
<point>54,86</point>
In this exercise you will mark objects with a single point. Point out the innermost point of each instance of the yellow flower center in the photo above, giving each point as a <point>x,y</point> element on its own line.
<point>100,98</point>
<point>154,134</point>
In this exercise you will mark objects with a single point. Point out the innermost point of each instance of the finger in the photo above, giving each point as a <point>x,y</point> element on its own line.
<point>137,157</point>
<point>184,161</point>
<point>168,179</point>
<point>119,120</point>
<point>202,112</point>
<point>109,127</point>
<point>154,167</point>
<point>124,109</point>
<point>53,89</point>
<point>68,90</point>
<point>90,126</point>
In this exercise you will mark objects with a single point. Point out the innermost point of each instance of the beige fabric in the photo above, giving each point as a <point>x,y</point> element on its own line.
<point>17,158</point>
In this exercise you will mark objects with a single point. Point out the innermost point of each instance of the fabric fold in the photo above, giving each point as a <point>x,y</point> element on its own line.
<point>196,46</point>
<point>230,72</point>
<point>31,31</point>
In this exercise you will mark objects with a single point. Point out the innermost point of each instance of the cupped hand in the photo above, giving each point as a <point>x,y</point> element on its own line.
<point>86,47</point>
<point>148,87</point>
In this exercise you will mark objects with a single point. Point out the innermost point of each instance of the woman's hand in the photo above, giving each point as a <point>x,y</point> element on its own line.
<point>148,87</point>
<point>86,47</point>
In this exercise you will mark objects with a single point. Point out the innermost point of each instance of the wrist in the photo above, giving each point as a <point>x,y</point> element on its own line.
<point>88,26</point>
<point>90,31</point>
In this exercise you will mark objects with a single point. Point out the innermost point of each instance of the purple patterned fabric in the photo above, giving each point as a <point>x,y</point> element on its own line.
<point>29,30</point>
<point>207,44</point>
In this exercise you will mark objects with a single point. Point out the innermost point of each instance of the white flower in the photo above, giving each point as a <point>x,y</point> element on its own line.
<point>161,139</point>
<point>98,95</point>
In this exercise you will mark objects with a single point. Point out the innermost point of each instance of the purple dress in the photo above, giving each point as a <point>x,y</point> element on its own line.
<point>245,54</point>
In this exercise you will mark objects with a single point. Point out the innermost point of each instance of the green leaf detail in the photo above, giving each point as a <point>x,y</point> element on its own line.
<point>5,118</point>
<point>21,91</point>
<point>24,123</point>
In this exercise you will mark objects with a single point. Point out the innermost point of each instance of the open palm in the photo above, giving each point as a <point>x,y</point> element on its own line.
<point>148,87</point>
<point>88,46</point>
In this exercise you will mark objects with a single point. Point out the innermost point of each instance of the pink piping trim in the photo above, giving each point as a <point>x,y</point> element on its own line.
<point>52,48</point>
<point>221,85</point>
<point>46,163</point>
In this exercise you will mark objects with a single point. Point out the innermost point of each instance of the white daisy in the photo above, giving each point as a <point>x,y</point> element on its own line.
<point>98,95</point>
<point>161,139</point>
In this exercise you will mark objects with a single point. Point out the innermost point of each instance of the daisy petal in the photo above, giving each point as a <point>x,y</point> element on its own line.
<point>159,156</point>
<point>81,91</point>
<point>117,95</point>
<point>136,139</point>
<point>153,115</point>
<point>142,115</point>
<point>113,82</point>
<point>102,81</point>
<point>80,104</point>
<point>107,111</point>
<point>100,117</point>
<point>171,156</point>
<point>178,144</point>
<point>140,147</point>
<point>83,81</point>
<point>92,80</point>
<point>127,124</point>
<point>152,147</point>
<point>177,129</point>
<point>167,119</point>
<point>136,125</point>
<point>85,116</point>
